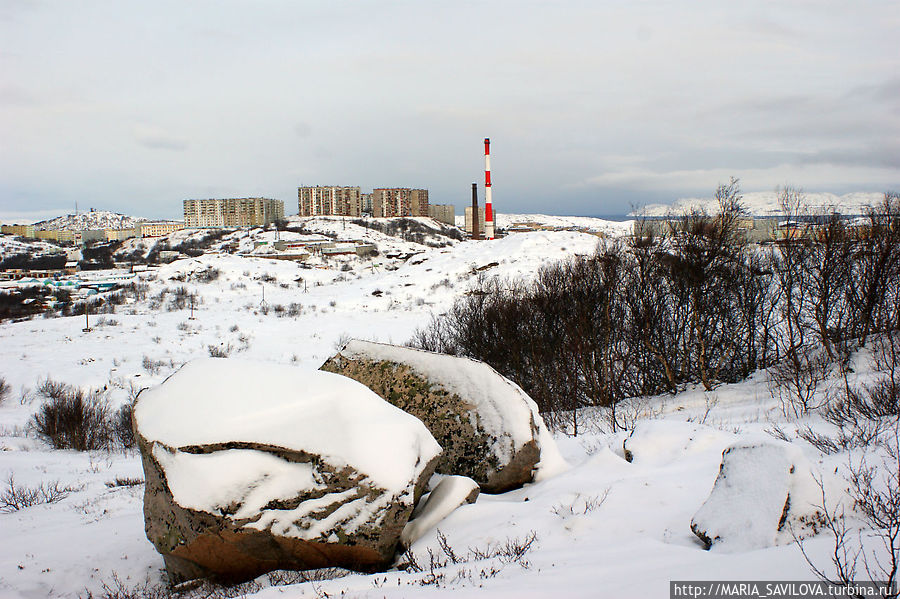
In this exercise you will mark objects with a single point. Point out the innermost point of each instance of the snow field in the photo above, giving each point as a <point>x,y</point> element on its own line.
<point>605,527</point>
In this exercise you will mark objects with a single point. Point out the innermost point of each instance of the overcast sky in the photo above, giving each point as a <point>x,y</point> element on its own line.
<point>591,107</point>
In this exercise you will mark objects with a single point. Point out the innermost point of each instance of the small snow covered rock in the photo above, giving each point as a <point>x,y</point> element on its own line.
<point>449,494</point>
<point>763,491</point>
<point>252,467</point>
<point>490,429</point>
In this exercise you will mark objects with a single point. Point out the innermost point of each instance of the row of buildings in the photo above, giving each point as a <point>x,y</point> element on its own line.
<point>142,229</point>
<point>232,212</point>
<point>383,202</point>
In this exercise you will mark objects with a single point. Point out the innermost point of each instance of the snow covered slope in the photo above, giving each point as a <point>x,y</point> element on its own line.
<point>604,528</point>
<point>99,219</point>
<point>765,203</point>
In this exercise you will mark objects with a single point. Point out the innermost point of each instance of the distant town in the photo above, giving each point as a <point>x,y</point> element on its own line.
<point>317,200</point>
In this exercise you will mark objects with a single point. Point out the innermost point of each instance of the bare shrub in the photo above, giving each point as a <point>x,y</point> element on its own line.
<point>5,389</point>
<point>16,497</point>
<point>72,418</point>
<point>207,275</point>
<point>219,351</point>
<point>510,551</point>
<point>796,380</point>
<point>152,366</point>
<point>124,481</point>
<point>121,427</point>
<point>873,489</point>
<point>580,505</point>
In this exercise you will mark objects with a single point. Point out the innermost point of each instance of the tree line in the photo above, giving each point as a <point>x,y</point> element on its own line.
<point>695,303</point>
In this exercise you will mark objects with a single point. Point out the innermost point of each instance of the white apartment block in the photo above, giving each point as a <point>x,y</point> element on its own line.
<point>157,229</point>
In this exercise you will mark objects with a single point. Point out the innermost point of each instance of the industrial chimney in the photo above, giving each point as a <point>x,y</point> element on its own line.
<point>488,207</point>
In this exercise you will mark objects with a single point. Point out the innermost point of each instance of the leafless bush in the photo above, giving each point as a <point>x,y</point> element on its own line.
<point>341,341</point>
<point>873,489</point>
<point>580,505</point>
<point>121,429</point>
<point>796,380</point>
<point>72,418</point>
<point>116,588</point>
<point>152,366</point>
<point>507,552</point>
<point>207,275</point>
<point>124,481</point>
<point>5,389</point>
<point>52,389</point>
<point>219,351</point>
<point>17,497</point>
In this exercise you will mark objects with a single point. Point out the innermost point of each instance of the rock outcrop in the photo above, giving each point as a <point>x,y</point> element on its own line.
<point>765,494</point>
<point>253,467</point>
<point>490,430</point>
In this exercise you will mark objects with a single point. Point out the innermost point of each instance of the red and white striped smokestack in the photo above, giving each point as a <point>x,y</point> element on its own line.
<point>488,207</point>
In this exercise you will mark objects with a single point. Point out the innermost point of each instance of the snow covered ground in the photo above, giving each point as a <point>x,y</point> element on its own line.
<point>606,527</point>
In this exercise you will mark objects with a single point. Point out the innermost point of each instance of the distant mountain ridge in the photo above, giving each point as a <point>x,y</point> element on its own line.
<point>99,219</point>
<point>765,203</point>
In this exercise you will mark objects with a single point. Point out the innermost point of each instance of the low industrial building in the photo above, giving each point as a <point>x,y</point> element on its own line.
<point>479,222</point>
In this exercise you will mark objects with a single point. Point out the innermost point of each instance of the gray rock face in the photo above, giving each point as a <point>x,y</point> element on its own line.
<point>489,428</point>
<point>254,467</point>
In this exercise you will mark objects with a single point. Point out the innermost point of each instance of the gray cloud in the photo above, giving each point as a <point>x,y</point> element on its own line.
<point>156,138</point>
<point>594,105</point>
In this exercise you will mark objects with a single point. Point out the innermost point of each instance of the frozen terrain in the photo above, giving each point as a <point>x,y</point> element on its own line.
<point>606,527</point>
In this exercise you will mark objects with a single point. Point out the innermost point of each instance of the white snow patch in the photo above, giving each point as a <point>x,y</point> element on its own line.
<point>450,493</point>
<point>215,400</point>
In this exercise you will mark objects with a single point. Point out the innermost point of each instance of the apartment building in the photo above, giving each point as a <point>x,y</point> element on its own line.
<point>232,212</point>
<point>445,213</point>
<point>329,200</point>
<point>157,229</point>
<point>20,230</point>
<point>399,201</point>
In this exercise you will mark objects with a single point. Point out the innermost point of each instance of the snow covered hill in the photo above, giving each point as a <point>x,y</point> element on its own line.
<point>98,219</point>
<point>765,203</point>
<point>607,527</point>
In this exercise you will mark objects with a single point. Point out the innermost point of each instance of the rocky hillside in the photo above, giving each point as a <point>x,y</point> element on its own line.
<point>99,219</point>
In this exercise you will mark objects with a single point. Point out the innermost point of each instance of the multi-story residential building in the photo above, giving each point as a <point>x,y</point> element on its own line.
<point>232,212</point>
<point>365,200</point>
<point>19,230</point>
<point>399,201</point>
<point>329,200</point>
<point>120,234</point>
<point>445,213</point>
<point>157,229</point>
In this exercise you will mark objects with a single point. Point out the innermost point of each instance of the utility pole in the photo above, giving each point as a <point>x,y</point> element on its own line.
<point>87,326</point>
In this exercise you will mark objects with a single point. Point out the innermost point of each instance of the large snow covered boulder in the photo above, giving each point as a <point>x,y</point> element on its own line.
<point>490,429</point>
<point>253,467</point>
<point>764,495</point>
